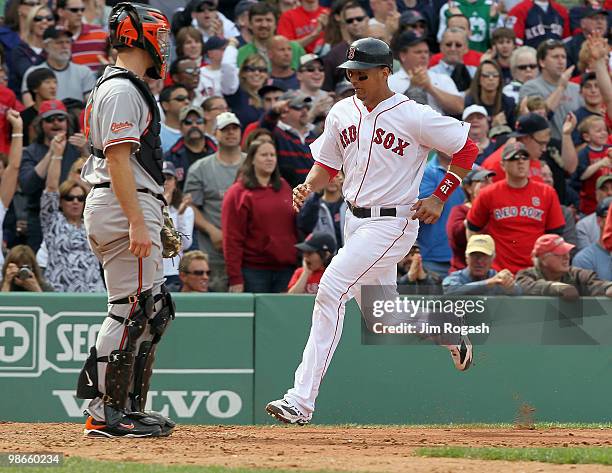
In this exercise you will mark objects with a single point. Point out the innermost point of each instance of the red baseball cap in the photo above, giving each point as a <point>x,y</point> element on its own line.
<point>52,107</point>
<point>551,243</point>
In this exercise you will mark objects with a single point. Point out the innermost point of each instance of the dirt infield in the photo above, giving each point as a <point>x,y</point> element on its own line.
<point>374,449</point>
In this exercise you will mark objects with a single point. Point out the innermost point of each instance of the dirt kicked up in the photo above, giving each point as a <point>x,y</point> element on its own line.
<point>362,449</point>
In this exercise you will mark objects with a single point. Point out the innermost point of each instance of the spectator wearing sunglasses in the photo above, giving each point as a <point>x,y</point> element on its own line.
<point>29,52</point>
<point>194,272</point>
<point>172,100</point>
<point>354,20</point>
<point>37,157</point>
<point>89,42</point>
<point>523,67</point>
<point>192,145</point>
<point>515,211</point>
<point>74,81</point>
<point>71,265</point>
<point>486,90</point>
<point>310,76</point>
<point>186,71</point>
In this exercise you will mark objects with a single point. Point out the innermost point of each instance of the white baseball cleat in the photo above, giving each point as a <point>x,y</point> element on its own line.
<point>462,353</point>
<point>286,412</point>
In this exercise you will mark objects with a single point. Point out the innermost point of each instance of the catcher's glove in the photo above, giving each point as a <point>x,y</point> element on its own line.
<point>170,237</point>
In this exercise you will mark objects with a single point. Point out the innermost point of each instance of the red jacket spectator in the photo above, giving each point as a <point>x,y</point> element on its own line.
<point>298,22</point>
<point>258,229</point>
<point>533,25</point>
<point>8,100</point>
<point>607,232</point>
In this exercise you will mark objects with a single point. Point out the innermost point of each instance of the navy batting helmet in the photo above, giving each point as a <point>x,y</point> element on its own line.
<point>366,53</point>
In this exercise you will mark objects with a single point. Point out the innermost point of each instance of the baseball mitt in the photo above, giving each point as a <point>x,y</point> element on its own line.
<point>170,237</point>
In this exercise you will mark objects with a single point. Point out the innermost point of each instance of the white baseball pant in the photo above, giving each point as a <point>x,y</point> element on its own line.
<point>372,249</point>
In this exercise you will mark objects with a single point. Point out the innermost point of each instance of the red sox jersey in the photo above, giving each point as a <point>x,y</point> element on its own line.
<point>383,152</point>
<point>515,218</point>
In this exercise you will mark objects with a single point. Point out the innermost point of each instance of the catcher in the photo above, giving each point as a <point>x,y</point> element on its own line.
<point>124,219</point>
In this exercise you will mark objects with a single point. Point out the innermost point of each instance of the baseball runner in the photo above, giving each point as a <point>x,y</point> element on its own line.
<point>123,218</point>
<point>381,140</point>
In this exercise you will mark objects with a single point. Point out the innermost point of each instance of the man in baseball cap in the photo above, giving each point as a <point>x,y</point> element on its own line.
<point>478,277</point>
<point>50,108</point>
<point>552,274</point>
<point>478,118</point>
<point>318,249</point>
<point>225,119</point>
<point>533,131</point>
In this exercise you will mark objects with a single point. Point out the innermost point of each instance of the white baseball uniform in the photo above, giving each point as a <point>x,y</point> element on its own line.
<point>383,153</point>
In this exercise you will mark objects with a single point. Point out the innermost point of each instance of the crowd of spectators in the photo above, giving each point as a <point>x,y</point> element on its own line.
<point>249,86</point>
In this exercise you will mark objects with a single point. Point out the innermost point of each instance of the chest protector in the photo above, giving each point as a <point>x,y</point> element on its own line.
<point>150,155</point>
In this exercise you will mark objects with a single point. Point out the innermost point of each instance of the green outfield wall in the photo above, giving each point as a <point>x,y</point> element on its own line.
<point>225,356</point>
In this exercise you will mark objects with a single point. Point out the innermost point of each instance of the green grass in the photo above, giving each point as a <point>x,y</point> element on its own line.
<point>562,455</point>
<point>81,465</point>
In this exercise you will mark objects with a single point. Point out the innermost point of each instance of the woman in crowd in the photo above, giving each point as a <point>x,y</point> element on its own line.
<point>183,218</point>
<point>14,30</point>
<point>258,224</point>
<point>29,51</point>
<point>486,90</point>
<point>189,43</point>
<point>71,265</point>
<point>246,103</point>
<point>21,272</point>
<point>523,67</point>
<point>259,134</point>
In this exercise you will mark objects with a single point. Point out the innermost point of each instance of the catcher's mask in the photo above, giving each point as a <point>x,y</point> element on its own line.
<point>134,25</point>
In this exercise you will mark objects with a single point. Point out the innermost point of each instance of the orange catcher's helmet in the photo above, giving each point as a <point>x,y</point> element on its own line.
<point>135,25</point>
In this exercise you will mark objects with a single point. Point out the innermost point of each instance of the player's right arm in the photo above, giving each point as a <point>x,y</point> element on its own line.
<point>124,187</point>
<point>328,161</point>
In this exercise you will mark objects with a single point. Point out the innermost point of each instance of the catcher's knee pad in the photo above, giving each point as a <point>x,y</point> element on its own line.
<point>136,322</point>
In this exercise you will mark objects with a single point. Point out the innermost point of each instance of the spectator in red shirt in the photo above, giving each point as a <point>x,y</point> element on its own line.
<point>305,24</point>
<point>472,184</point>
<point>8,101</point>
<point>594,160</point>
<point>318,250</point>
<point>515,211</point>
<point>89,42</point>
<point>258,225</point>
<point>606,239</point>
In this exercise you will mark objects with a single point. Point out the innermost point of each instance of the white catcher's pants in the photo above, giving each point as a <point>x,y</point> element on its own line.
<point>372,249</point>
